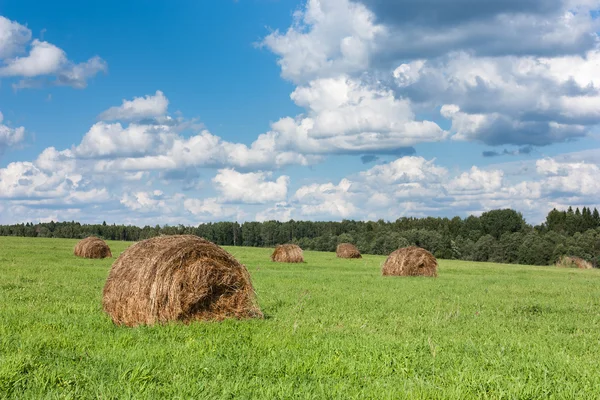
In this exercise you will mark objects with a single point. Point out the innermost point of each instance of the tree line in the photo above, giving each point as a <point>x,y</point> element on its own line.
<point>501,236</point>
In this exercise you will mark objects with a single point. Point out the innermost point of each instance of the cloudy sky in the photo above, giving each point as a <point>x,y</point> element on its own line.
<point>276,109</point>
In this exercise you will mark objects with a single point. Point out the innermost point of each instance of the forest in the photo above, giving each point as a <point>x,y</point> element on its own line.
<point>501,236</point>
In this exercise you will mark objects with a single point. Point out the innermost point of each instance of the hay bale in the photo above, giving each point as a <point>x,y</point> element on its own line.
<point>287,253</point>
<point>410,261</point>
<point>177,278</point>
<point>92,247</point>
<point>573,262</point>
<point>347,250</point>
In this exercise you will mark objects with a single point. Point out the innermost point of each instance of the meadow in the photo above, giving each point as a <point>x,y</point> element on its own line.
<point>332,329</point>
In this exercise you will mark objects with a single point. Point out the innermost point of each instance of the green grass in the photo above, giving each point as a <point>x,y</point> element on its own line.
<point>333,329</point>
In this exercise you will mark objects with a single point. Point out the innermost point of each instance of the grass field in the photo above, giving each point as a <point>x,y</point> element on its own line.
<point>333,329</point>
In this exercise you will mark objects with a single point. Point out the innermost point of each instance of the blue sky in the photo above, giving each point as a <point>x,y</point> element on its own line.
<point>263,109</point>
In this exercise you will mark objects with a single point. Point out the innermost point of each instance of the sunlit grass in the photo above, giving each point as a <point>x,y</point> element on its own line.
<point>333,329</point>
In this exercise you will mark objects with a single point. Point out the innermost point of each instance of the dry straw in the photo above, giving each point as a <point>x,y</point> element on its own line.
<point>92,247</point>
<point>347,250</point>
<point>178,278</point>
<point>573,262</point>
<point>410,261</point>
<point>287,253</point>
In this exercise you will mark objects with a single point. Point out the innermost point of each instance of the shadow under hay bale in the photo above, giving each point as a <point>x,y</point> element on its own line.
<point>347,250</point>
<point>287,253</point>
<point>410,261</point>
<point>573,262</point>
<point>92,247</point>
<point>178,278</point>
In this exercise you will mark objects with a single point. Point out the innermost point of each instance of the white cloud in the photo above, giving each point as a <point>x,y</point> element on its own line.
<point>373,77</point>
<point>347,116</point>
<point>518,74</point>
<point>13,37</point>
<point>413,186</point>
<point>114,140</point>
<point>508,100</point>
<point>326,200</point>
<point>10,136</point>
<point>533,27</point>
<point>86,197</point>
<point>328,38</point>
<point>279,212</point>
<point>45,64</point>
<point>476,181</point>
<point>405,170</point>
<point>159,147</point>
<point>20,180</point>
<point>211,209</point>
<point>77,75</point>
<point>250,188</point>
<point>53,161</point>
<point>155,200</point>
<point>17,213</point>
<point>575,179</point>
<point>138,108</point>
<point>158,144</point>
<point>43,59</point>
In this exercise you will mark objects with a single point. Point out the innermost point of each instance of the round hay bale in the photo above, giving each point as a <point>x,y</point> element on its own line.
<point>92,247</point>
<point>347,250</point>
<point>287,253</point>
<point>410,261</point>
<point>177,278</point>
<point>573,262</point>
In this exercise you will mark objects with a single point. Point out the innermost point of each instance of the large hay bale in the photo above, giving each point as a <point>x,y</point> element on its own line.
<point>92,247</point>
<point>573,262</point>
<point>287,253</point>
<point>410,261</point>
<point>177,278</point>
<point>347,250</point>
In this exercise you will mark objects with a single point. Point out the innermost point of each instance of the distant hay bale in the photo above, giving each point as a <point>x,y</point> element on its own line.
<point>347,250</point>
<point>92,247</point>
<point>410,261</point>
<point>177,278</point>
<point>573,262</point>
<point>288,253</point>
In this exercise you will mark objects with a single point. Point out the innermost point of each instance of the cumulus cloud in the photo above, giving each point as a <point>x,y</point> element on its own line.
<point>327,38</point>
<point>250,188</point>
<point>414,186</point>
<point>154,202</point>
<point>43,59</point>
<point>13,37</point>
<point>575,179</point>
<point>44,64</point>
<point>520,73</point>
<point>326,200</point>
<point>279,212</point>
<point>211,209</point>
<point>405,170</point>
<point>476,180</point>
<point>106,140</point>
<point>348,116</point>
<point>508,100</point>
<point>161,148</point>
<point>138,108</point>
<point>33,184</point>
<point>10,136</point>
<point>373,78</point>
<point>77,75</point>
<point>434,27</point>
<point>155,141</point>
